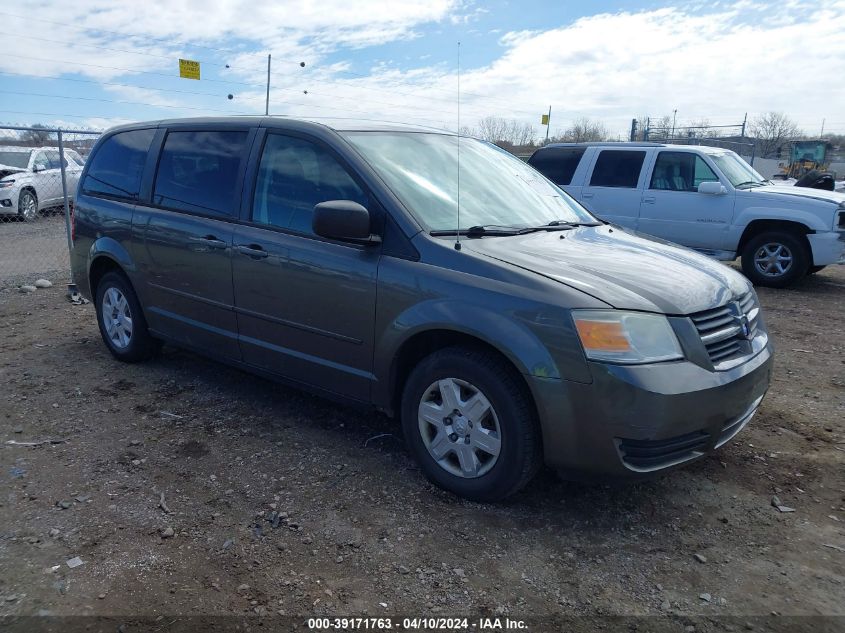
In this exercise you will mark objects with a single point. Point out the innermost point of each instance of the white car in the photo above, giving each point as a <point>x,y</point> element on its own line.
<point>706,198</point>
<point>31,179</point>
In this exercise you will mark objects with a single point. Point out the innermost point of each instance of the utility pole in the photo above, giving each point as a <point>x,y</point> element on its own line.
<point>548,124</point>
<point>267,103</point>
<point>821,134</point>
<point>744,120</point>
<point>647,128</point>
<point>674,117</point>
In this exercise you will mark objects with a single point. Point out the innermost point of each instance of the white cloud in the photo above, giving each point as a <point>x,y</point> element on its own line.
<point>714,60</point>
<point>716,64</point>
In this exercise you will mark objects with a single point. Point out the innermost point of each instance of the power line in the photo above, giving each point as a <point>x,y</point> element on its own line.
<point>123,50</point>
<point>237,83</point>
<point>224,50</point>
<point>97,99</point>
<point>180,107</point>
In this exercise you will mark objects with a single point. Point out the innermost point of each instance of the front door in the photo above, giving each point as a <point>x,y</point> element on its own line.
<point>615,186</point>
<point>305,305</point>
<point>673,209</point>
<point>184,238</point>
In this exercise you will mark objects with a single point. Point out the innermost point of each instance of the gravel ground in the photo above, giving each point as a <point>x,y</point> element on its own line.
<point>29,250</point>
<point>186,487</point>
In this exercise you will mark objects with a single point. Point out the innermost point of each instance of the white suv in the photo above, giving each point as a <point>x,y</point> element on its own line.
<point>706,198</point>
<point>31,180</point>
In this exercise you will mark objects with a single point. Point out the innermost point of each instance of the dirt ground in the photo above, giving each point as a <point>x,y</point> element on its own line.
<point>186,487</point>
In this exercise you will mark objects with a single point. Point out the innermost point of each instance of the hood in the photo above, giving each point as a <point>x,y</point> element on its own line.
<point>5,170</point>
<point>837,197</point>
<point>624,270</point>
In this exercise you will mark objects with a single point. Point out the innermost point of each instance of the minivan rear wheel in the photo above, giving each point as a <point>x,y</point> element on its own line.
<point>121,320</point>
<point>470,423</point>
<point>775,259</point>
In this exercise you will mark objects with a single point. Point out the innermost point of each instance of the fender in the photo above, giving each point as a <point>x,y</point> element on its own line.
<point>506,332</point>
<point>809,218</point>
<point>110,248</point>
<point>746,216</point>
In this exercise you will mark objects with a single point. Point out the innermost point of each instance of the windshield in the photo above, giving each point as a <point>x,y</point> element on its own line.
<point>14,159</point>
<point>740,173</point>
<point>496,187</point>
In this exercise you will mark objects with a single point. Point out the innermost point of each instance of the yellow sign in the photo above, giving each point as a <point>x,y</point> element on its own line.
<point>543,121</point>
<point>189,69</point>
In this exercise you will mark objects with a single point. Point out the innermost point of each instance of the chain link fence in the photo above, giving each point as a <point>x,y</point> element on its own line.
<point>39,171</point>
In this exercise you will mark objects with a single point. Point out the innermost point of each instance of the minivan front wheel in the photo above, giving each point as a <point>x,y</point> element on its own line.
<point>775,259</point>
<point>121,320</point>
<point>469,421</point>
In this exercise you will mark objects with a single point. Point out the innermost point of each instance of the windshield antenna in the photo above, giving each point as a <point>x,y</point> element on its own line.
<point>458,227</point>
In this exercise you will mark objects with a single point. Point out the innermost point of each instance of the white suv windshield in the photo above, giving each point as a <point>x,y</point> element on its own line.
<point>497,189</point>
<point>740,173</point>
<point>11,158</point>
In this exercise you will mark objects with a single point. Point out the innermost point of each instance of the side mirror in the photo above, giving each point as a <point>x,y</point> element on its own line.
<point>343,220</point>
<point>711,187</point>
<point>39,167</point>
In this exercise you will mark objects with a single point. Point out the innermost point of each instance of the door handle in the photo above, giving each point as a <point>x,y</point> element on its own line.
<point>210,241</point>
<point>649,199</point>
<point>252,250</point>
<point>586,195</point>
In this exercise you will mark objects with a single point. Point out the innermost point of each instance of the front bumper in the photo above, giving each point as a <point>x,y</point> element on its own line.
<point>828,247</point>
<point>9,200</point>
<point>634,420</point>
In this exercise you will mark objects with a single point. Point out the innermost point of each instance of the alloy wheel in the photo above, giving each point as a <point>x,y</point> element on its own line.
<point>773,259</point>
<point>28,206</point>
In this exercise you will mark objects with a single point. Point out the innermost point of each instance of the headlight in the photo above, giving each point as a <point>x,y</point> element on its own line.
<point>6,183</point>
<point>626,337</point>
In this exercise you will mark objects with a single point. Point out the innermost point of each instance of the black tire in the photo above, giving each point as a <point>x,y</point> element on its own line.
<point>520,454</point>
<point>812,270</point>
<point>140,345</point>
<point>794,245</point>
<point>26,212</point>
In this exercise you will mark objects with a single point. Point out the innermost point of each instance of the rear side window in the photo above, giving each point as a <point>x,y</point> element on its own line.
<point>197,172</point>
<point>617,168</point>
<point>680,171</point>
<point>115,170</point>
<point>558,164</point>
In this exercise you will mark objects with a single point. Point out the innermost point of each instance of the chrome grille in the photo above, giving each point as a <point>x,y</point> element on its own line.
<point>725,331</point>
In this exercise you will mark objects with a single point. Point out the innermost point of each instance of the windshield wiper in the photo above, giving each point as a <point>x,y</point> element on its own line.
<point>494,230</point>
<point>572,224</point>
<point>480,230</point>
<point>750,183</point>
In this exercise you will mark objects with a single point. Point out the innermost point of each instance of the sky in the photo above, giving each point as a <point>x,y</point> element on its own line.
<point>97,63</point>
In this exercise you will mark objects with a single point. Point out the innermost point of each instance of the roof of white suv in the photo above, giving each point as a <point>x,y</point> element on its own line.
<point>622,145</point>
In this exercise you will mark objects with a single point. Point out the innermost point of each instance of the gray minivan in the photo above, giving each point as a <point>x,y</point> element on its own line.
<point>516,331</point>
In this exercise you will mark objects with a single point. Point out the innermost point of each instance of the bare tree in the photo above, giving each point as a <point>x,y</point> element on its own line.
<point>505,132</point>
<point>37,138</point>
<point>771,130</point>
<point>583,130</point>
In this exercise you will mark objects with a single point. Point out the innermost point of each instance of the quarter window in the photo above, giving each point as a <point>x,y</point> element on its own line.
<point>116,168</point>
<point>53,160</point>
<point>680,171</point>
<point>295,175</point>
<point>198,171</point>
<point>558,164</point>
<point>617,168</point>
